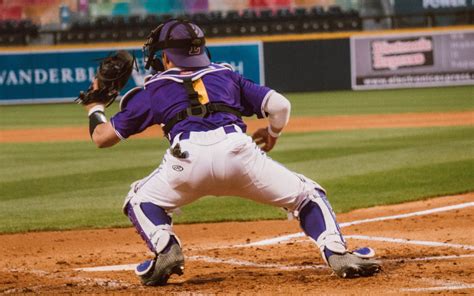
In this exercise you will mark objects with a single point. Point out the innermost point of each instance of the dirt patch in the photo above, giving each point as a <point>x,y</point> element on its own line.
<point>46,262</point>
<point>297,124</point>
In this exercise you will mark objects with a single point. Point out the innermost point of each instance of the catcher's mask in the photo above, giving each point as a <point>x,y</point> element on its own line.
<point>182,41</point>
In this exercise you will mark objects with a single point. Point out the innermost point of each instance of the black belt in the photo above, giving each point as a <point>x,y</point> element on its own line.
<point>228,129</point>
<point>199,111</point>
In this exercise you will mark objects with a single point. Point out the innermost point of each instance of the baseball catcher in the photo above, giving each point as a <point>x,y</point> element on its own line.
<point>200,106</point>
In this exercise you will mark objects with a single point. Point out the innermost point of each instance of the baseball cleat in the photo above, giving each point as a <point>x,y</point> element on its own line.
<point>351,265</point>
<point>156,272</point>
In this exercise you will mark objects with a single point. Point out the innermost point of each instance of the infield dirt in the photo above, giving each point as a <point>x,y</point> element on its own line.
<point>296,124</point>
<point>46,262</point>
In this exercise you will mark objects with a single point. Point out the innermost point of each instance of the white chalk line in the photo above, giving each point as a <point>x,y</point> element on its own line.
<point>410,242</point>
<point>276,240</point>
<point>439,288</point>
<point>122,267</point>
<point>433,258</point>
<point>440,285</point>
<point>445,257</point>
<point>128,267</point>
<point>253,264</point>
<point>398,241</point>
<point>208,259</point>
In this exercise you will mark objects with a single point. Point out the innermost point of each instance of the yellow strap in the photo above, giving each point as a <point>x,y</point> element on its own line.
<point>201,90</point>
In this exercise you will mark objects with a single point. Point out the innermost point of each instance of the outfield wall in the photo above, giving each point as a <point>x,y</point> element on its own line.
<point>59,74</point>
<point>308,65</point>
<point>288,63</point>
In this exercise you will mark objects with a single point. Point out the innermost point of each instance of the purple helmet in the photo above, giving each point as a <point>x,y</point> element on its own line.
<point>182,41</point>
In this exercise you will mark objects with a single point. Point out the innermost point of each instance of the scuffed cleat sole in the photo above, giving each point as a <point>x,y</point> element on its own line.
<point>164,266</point>
<point>356,271</point>
<point>351,266</point>
<point>163,280</point>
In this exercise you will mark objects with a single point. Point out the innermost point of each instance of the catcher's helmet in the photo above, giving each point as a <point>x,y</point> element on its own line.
<point>182,41</point>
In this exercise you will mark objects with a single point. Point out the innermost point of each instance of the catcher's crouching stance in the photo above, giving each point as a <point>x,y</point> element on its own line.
<point>200,107</point>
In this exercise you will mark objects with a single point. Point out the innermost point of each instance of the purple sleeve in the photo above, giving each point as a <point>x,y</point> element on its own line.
<point>253,97</point>
<point>135,117</point>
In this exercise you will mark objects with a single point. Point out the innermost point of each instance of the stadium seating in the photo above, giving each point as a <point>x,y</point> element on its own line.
<point>14,32</point>
<point>218,24</point>
<point>113,21</point>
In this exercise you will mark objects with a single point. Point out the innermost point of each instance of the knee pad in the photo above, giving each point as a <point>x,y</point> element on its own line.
<point>152,223</point>
<point>318,221</point>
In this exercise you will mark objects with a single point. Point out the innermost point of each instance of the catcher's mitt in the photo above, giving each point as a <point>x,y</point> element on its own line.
<point>112,75</point>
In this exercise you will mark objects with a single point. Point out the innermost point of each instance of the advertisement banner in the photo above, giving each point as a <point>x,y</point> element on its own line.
<point>412,60</point>
<point>422,6</point>
<point>59,75</point>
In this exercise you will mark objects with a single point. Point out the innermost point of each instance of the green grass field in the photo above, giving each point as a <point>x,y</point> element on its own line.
<point>74,185</point>
<point>303,104</point>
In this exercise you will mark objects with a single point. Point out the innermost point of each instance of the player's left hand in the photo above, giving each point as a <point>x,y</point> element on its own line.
<point>111,77</point>
<point>94,86</point>
<point>263,139</point>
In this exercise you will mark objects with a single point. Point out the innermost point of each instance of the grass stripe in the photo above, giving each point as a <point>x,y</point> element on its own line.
<point>303,104</point>
<point>401,185</point>
<point>74,185</point>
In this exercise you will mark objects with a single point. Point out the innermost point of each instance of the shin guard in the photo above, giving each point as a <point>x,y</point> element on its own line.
<point>318,221</point>
<point>153,224</point>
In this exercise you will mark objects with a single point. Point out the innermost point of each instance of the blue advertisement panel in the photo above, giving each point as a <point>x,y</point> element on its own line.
<point>59,76</point>
<point>247,59</point>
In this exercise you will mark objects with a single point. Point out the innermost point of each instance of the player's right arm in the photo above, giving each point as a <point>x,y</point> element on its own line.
<point>278,109</point>
<point>264,102</point>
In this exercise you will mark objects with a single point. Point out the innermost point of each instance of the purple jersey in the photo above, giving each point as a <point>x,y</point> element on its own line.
<point>164,96</point>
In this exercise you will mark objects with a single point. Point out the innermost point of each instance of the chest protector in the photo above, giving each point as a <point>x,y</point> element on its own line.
<point>195,107</point>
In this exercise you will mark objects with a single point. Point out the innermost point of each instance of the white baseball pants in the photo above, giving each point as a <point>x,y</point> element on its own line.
<point>220,163</point>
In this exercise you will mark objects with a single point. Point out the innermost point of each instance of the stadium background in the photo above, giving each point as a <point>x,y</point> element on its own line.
<point>394,144</point>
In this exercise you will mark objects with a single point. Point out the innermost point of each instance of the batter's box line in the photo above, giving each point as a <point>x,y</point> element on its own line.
<point>233,261</point>
<point>283,238</point>
<point>207,259</point>
<point>404,241</point>
<point>410,242</point>
<point>400,241</point>
<point>438,285</point>
<point>448,286</point>
<point>439,288</point>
